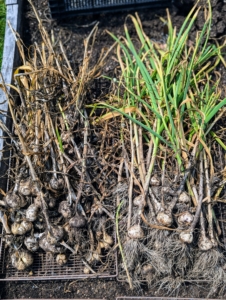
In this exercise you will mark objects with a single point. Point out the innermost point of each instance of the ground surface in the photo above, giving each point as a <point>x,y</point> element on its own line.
<point>72,37</point>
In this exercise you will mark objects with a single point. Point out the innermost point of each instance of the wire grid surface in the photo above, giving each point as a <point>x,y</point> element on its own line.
<point>45,267</point>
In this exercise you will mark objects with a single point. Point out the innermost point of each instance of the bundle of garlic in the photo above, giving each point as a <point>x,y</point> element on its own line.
<point>60,198</point>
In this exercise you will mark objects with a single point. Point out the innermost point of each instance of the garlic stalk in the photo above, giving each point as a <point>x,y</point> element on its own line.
<point>12,199</point>
<point>204,242</point>
<point>209,207</point>
<point>55,182</point>
<point>4,221</point>
<point>186,236</point>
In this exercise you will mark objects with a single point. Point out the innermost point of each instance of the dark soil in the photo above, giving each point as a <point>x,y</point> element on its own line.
<point>72,33</point>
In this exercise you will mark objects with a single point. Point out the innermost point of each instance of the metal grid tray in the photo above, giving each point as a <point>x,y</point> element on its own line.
<point>45,267</point>
<point>63,8</point>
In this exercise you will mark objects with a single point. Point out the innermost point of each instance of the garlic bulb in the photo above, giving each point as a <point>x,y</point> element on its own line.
<point>32,212</point>
<point>57,183</point>
<point>204,243</point>
<point>86,270</point>
<point>185,218</point>
<point>65,209</point>
<point>38,224</point>
<point>31,243</point>
<point>146,269</point>
<point>157,245</point>
<point>107,241</point>
<point>61,259</point>
<point>21,228</point>
<point>25,187</point>
<point>155,181</point>
<point>77,221</point>
<point>168,190</point>
<point>135,232</point>
<point>51,202</point>
<point>21,259</point>
<point>56,234</point>
<point>14,201</point>
<point>47,247</point>
<point>186,236</point>
<point>139,201</point>
<point>164,219</point>
<point>184,198</point>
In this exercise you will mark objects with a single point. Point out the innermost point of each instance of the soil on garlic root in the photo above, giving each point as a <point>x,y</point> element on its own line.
<point>72,32</point>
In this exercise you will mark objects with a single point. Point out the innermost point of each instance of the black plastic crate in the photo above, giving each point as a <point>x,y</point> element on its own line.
<point>63,8</point>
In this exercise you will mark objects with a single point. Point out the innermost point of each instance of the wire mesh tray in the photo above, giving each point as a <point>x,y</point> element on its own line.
<point>45,266</point>
<point>63,8</point>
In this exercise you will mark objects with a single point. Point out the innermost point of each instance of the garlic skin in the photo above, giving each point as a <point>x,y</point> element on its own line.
<point>14,201</point>
<point>186,237</point>
<point>135,232</point>
<point>185,218</point>
<point>184,198</point>
<point>65,209</point>
<point>21,259</point>
<point>32,212</point>
<point>61,259</point>
<point>31,243</point>
<point>21,228</point>
<point>164,219</point>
